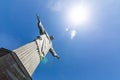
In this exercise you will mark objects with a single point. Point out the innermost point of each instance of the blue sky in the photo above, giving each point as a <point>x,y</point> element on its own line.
<point>89,51</point>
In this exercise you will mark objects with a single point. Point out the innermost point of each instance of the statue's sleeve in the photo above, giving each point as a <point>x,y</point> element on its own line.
<point>40,26</point>
<point>52,51</point>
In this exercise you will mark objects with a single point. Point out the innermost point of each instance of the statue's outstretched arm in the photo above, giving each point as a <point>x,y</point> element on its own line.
<point>38,18</point>
<point>40,26</point>
<point>52,51</point>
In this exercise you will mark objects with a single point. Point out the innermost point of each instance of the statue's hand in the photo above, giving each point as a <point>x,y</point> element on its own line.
<point>58,57</point>
<point>38,17</point>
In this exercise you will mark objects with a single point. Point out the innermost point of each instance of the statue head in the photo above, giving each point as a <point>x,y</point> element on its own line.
<point>51,38</point>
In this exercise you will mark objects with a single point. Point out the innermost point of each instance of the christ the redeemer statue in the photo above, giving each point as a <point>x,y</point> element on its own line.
<point>43,32</point>
<point>32,53</point>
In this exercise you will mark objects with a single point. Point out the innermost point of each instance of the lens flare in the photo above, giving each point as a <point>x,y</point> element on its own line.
<point>44,60</point>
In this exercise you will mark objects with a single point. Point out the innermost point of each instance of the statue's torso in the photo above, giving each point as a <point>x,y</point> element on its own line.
<point>45,44</point>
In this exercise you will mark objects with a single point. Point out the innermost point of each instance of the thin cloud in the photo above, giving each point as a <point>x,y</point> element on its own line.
<point>60,5</point>
<point>55,5</point>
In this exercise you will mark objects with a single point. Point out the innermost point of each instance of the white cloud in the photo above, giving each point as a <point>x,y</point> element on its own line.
<point>73,34</point>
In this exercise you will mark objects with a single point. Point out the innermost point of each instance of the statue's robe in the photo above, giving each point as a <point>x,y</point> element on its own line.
<point>32,53</point>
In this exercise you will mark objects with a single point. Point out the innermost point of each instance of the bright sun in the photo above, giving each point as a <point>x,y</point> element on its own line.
<point>78,14</point>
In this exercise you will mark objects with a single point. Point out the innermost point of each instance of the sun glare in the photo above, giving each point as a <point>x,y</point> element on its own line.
<point>78,14</point>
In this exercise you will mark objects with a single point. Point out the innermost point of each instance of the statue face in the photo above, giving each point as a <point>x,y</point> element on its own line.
<point>51,37</point>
